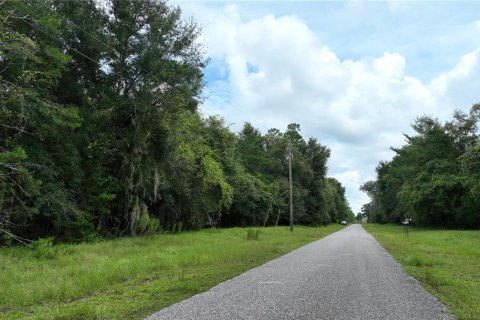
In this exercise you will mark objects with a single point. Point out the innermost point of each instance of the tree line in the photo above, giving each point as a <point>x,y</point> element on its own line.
<point>434,178</point>
<point>100,132</point>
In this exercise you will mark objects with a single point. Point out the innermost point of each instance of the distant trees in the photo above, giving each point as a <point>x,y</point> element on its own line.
<point>434,177</point>
<point>263,184</point>
<point>100,134</point>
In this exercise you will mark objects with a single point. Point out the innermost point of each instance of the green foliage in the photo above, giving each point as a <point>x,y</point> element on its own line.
<point>143,223</point>
<point>101,133</point>
<point>470,160</point>
<point>67,221</point>
<point>177,227</point>
<point>261,185</point>
<point>17,154</point>
<point>68,116</point>
<point>17,186</point>
<point>417,261</point>
<point>153,226</point>
<point>253,234</point>
<point>44,248</point>
<point>470,165</point>
<point>213,178</point>
<point>433,179</point>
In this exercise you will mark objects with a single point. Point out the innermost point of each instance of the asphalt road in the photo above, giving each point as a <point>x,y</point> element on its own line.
<point>346,275</point>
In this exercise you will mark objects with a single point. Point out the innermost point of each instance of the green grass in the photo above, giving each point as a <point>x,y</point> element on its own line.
<point>132,277</point>
<point>446,262</point>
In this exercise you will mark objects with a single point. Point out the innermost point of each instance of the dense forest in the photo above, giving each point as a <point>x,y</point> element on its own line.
<point>101,133</point>
<point>434,179</point>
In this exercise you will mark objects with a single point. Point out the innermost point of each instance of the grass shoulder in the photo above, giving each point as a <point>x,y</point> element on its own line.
<point>445,262</point>
<point>130,278</point>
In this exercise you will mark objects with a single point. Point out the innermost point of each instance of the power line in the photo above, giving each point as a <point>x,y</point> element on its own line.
<point>227,101</point>
<point>148,72</point>
<point>143,69</point>
<point>95,37</point>
<point>38,99</point>
<point>117,75</point>
<point>72,48</point>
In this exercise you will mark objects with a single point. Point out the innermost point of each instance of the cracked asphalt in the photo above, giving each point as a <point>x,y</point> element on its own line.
<point>346,275</point>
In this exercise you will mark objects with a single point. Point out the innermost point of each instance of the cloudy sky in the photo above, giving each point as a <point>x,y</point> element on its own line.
<point>353,74</point>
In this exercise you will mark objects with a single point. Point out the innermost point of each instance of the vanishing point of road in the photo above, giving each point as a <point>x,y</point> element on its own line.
<point>346,275</point>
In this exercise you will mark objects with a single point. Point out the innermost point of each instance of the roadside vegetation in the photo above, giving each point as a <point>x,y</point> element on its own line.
<point>101,133</point>
<point>132,277</point>
<point>445,262</point>
<point>434,178</point>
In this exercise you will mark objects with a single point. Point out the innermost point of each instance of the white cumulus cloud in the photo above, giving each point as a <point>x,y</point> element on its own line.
<point>280,72</point>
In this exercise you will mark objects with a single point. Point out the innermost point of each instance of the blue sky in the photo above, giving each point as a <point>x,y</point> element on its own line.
<point>354,74</point>
<point>432,35</point>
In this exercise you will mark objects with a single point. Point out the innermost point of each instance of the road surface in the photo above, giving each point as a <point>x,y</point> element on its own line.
<point>346,275</point>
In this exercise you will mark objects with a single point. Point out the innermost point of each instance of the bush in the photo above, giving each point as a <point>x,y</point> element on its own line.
<point>5,239</point>
<point>253,234</point>
<point>68,221</point>
<point>177,227</point>
<point>153,226</point>
<point>417,261</point>
<point>44,248</point>
<point>143,222</point>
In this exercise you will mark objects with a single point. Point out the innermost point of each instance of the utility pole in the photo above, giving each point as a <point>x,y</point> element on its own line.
<point>290,182</point>
<point>374,207</point>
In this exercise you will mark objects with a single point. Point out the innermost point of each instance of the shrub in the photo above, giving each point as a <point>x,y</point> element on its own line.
<point>153,226</point>
<point>417,261</point>
<point>253,234</point>
<point>143,222</point>
<point>44,248</point>
<point>177,227</point>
